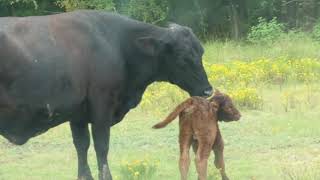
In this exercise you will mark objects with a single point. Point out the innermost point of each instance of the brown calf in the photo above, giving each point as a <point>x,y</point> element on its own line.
<point>198,121</point>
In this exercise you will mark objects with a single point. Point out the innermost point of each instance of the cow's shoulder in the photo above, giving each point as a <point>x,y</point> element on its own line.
<point>5,45</point>
<point>3,37</point>
<point>104,18</point>
<point>6,40</point>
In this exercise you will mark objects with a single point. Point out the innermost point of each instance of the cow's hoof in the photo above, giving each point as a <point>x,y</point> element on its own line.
<point>105,174</point>
<point>85,178</point>
<point>105,177</point>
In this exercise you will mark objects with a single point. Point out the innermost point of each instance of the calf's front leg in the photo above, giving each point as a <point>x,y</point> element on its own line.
<point>218,147</point>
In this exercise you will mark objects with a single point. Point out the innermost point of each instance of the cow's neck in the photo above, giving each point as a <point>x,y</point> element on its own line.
<point>142,69</point>
<point>139,78</point>
<point>135,87</point>
<point>141,72</point>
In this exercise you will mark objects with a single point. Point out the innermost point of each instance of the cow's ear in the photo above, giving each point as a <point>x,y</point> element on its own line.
<point>147,45</point>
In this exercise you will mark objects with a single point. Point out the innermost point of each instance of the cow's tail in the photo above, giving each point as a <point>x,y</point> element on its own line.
<point>174,114</point>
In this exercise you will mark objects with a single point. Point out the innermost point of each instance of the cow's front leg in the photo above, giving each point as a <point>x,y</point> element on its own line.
<point>101,123</point>
<point>101,136</point>
<point>81,140</point>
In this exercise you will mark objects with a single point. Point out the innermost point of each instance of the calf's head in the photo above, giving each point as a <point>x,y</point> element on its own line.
<point>225,108</point>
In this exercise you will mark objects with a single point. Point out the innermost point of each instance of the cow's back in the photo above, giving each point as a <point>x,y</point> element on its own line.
<point>47,63</point>
<point>48,52</point>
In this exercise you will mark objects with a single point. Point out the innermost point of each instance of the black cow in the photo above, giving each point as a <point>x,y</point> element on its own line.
<point>88,67</point>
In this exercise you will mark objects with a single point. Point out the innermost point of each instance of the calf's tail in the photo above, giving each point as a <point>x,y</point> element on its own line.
<point>174,114</point>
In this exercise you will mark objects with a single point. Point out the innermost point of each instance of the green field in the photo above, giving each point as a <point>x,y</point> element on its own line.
<point>280,140</point>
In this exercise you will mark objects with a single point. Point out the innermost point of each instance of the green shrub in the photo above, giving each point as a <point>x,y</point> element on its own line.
<point>266,32</point>
<point>151,11</point>
<point>71,5</point>
<point>13,2</point>
<point>316,31</point>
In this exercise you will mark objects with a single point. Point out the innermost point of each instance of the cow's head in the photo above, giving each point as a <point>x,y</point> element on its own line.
<point>179,54</point>
<point>183,61</point>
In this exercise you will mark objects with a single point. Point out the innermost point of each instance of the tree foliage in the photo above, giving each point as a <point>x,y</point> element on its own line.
<point>70,5</point>
<point>219,18</point>
<point>265,31</point>
<point>152,11</point>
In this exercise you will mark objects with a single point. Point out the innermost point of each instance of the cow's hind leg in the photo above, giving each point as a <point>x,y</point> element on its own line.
<point>81,140</point>
<point>218,147</point>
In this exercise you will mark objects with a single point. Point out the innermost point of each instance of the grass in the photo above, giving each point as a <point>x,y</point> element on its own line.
<point>268,144</point>
<point>271,143</point>
<point>291,46</point>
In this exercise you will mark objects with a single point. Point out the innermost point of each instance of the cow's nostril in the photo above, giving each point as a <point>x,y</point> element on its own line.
<point>208,92</point>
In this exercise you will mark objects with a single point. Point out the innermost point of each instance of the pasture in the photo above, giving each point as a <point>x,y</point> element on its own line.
<point>276,87</point>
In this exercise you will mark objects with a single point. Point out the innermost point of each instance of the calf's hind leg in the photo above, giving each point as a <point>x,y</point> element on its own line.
<point>203,152</point>
<point>184,163</point>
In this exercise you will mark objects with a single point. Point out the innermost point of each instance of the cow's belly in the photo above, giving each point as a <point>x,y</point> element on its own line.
<point>34,103</point>
<point>20,124</point>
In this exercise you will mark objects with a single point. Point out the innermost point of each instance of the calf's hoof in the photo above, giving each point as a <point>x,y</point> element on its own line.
<point>225,177</point>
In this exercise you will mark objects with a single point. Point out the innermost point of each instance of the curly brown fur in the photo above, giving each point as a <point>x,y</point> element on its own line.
<point>227,110</point>
<point>198,122</point>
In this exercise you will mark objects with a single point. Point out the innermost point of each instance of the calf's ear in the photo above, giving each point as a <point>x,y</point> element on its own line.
<point>214,106</point>
<point>220,100</point>
<point>217,92</point>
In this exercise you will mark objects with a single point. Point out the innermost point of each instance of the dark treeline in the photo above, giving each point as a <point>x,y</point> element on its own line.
<point>218,18</point>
